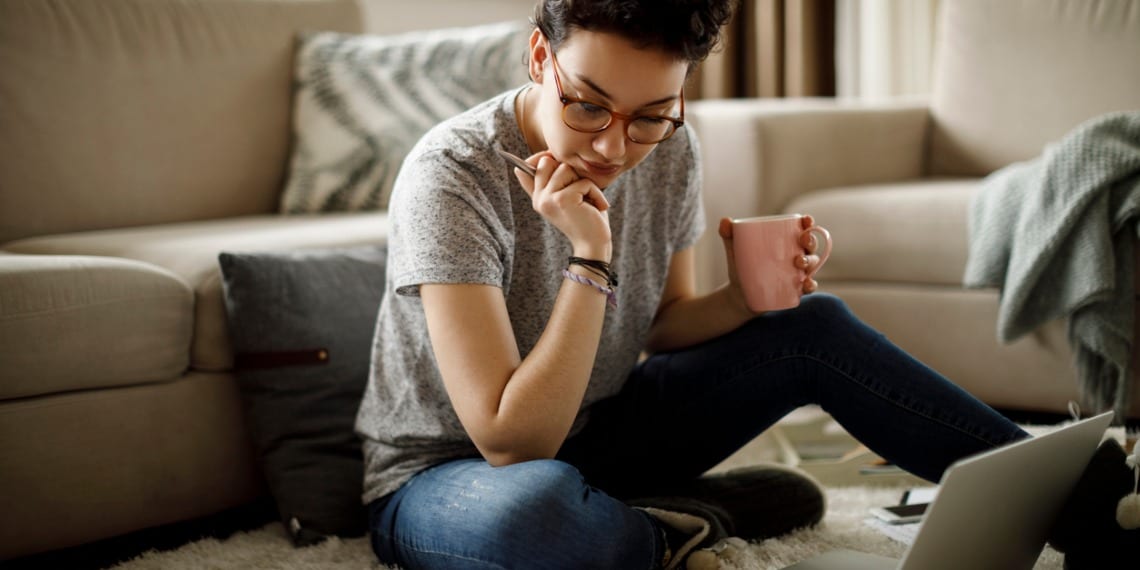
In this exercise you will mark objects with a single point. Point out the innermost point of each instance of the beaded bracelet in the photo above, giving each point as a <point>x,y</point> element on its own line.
<point>611,296</point>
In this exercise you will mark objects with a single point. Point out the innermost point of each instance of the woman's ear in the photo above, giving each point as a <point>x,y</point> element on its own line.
<point>539,52</point>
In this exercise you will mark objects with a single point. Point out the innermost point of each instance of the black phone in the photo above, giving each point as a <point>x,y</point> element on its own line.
<point>900,514</point>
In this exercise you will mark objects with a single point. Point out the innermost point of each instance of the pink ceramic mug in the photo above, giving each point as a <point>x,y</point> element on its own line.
<point>765,249</point>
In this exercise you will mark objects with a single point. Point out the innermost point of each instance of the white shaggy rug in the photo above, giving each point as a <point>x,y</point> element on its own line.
<point>268,548</point>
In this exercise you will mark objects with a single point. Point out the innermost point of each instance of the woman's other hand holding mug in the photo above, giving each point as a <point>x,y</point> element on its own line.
<point>773,259</point>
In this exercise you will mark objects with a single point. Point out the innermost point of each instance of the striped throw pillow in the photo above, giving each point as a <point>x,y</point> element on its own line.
<point>362,101</point>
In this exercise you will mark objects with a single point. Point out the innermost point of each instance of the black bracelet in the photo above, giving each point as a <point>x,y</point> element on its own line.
<point>597,267</point>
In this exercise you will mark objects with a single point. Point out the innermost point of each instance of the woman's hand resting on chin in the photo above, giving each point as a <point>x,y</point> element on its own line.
<point>575,205</point>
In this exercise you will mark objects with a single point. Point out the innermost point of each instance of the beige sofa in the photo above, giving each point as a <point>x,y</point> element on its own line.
<point>141,137</point>
<point>893,181</point>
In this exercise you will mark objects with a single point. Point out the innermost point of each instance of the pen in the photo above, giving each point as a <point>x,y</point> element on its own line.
<point>516,161</point>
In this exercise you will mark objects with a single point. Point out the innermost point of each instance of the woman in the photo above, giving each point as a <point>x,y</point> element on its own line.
<point>509,421</point>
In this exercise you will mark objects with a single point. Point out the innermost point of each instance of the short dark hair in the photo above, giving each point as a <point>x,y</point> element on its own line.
<point>686,29</point>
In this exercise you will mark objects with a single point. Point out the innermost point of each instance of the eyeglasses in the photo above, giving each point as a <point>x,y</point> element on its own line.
<point>586,117</point>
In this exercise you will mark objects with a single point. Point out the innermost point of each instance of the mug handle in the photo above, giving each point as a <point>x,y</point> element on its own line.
<point>824,243</point>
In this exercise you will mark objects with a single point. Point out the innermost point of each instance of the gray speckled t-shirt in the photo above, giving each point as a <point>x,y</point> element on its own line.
<point>458,215</point>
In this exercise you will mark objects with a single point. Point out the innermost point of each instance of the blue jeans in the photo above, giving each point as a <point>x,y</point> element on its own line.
<point>679,414</point>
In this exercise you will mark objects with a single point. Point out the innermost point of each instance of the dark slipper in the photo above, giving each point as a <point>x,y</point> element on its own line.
<point>1086,529</point>
<point>758,502</point>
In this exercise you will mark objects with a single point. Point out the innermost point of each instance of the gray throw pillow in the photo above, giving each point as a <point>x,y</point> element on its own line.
<point>301,324</point>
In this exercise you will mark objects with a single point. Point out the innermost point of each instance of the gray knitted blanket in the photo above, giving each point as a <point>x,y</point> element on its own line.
<point>1056,235</point>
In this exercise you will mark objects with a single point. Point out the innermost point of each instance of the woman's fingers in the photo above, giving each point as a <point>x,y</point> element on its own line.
<point>595,197</point>
<point>725,231</point>
<point>579,192</point>
<point>808,241</point>
<point>558,183</point>
<point>562,177</point>
<point>808,262</point>
<point>544,168</point>
<point>551,174</point>
<point>810,285</point>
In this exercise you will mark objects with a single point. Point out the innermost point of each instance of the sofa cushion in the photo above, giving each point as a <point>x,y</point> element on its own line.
<point>193,95</point>
<point>301,324</point>
<point>905,232</point>
<point>362,101</point>
<point>190,250</point>
<point>75,323</point>
<point>1010,77</point>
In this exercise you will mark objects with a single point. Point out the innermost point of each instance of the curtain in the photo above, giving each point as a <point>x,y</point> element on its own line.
<point>884,48</point>
<point>772,48</point>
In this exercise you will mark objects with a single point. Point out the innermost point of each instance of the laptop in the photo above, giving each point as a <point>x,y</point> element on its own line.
<point>993,510</point>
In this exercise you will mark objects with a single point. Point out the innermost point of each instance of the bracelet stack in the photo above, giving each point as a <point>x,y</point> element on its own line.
<point>599,268</point>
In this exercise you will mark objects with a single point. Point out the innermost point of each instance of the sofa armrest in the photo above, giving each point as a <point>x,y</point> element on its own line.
<point>759,154</point>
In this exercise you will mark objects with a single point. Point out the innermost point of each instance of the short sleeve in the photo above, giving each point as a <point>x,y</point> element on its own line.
<point>691,221</point>
<point>441,231</point>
